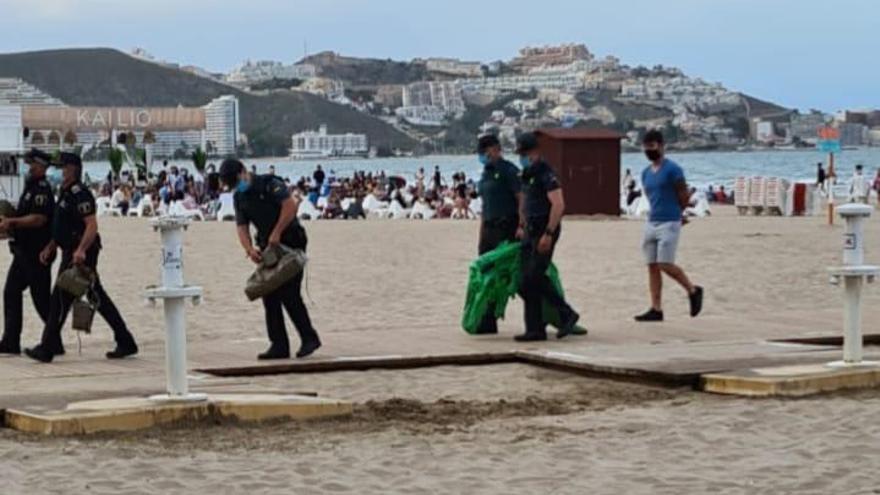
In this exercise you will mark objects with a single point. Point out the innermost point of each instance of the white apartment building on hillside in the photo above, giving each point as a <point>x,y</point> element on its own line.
<point>321,144</point>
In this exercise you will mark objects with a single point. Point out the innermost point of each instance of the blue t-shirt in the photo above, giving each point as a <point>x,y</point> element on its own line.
<point>660,187</point>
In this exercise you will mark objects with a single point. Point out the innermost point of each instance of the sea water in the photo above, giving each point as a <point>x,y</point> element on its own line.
<point>701,168</point>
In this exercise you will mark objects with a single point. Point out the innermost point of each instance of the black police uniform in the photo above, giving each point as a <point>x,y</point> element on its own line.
<point>535,287</point>
<point>498,187</point>
<point>26,271</point>
<point>75,204</point>
<point>260,205</point>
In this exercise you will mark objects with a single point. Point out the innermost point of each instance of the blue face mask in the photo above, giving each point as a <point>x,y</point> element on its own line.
<point>242,186</point>
<point>484,159</point>
<point>524,161</point>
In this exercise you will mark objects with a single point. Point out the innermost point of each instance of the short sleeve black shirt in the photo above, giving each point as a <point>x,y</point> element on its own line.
<point>498,186</point>
<point>36,199</point>
<point>538,181</point>
<point>260,205</point>
<point>75,204</point>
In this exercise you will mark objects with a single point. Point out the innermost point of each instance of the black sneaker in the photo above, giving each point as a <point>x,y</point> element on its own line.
<point>274,353</point>
<point>308,348</point>
<point>531,337</point>
<point>40,353</point>
<point>696,301</point>
<point>651,315</point>
<point>568,326</point>
<point>122,352</point>
<point>10,348</point>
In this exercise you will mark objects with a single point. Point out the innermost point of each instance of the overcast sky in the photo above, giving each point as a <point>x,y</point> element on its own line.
<point>799,53</point>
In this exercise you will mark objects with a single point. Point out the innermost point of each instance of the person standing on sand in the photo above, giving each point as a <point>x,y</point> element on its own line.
<point>29,231</point>
<point>664,184</point>
<point>543,207</point>
<point>265,202</point>
<point>502,219</point>
<point>75,231</point>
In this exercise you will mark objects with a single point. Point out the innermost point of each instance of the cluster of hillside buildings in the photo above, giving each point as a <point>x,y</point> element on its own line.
<point>855,127</point>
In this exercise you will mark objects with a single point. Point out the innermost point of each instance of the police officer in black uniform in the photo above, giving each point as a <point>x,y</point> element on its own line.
<point>75,231</point>
<point>263,200</point>
<point>501,191</point>
<point>543,206</point>
<point>29,231</point>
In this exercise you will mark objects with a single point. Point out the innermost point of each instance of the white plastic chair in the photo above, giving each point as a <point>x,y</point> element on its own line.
<point>758,194</point>
<point>178,210</point>
<point>775,195</point>
<point>227,207</point>
<point>741,192</point>
<point>106,209</point>
<point>144,207</point>
<point>422,210</point>
<point>373,207</point>
<point>701,206</point>
<point>307,211</point>
<point>397,212</point>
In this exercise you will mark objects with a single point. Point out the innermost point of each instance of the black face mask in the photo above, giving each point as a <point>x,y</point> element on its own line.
<point>654,155</point>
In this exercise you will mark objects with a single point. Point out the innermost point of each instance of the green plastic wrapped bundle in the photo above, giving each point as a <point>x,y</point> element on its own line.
<point>494,278</point>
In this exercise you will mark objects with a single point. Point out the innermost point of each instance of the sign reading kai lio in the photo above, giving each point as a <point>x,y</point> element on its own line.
<point>101,118</point>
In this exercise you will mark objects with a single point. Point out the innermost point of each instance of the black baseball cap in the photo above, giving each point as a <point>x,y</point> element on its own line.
<point>37,157</point>
<point>66,158</point>
<point>486,142</point>
<point>526,142</point>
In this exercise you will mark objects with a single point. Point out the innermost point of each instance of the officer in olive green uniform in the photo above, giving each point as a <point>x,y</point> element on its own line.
<point>29,232</point>
<point>75,231</point>
<point>543,206</point>
<point>263,200</point>
<point>501,192</point>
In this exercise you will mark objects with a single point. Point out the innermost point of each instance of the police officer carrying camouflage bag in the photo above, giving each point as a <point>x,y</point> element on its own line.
<point>75,231</point>
<point>264,201</point>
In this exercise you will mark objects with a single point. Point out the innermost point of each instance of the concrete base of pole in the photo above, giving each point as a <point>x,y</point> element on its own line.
<point>172,399</point>
<point>139,413</point>
<point>848,365</point>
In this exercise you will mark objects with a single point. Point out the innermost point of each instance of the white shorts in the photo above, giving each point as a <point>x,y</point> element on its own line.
<point>660,242</point>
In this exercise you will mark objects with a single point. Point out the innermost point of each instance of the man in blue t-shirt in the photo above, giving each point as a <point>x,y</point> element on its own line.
<point>664,184</point>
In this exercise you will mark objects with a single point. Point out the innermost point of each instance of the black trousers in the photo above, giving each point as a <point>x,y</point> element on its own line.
<point>535,286</point>
<point>26,272</point>
<point>492,234</point>
<point>61,302</point>
<point>289,297</point>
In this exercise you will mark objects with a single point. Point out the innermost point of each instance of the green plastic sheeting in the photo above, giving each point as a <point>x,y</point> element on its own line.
<point>494,278</point>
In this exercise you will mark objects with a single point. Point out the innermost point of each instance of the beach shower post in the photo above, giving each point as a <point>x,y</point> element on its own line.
<point>173,293</point>
<point>854,274</point>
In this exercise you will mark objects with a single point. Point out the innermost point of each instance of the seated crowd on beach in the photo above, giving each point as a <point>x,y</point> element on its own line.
<point>331,196</point>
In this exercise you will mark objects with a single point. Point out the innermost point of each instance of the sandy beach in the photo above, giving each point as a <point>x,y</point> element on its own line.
<point>499,429</point>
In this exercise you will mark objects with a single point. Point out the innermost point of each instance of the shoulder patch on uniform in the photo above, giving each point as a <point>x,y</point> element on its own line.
<point>75,189</point>
<point>85,208</point>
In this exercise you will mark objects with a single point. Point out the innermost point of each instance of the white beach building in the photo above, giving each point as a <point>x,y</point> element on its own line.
<point>321,144</point>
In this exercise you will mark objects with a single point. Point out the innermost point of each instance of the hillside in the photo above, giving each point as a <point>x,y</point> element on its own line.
<point>366,71</point>
<point>105,77</point>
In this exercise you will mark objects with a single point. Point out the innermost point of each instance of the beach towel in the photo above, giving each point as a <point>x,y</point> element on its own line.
<point>494,278</point>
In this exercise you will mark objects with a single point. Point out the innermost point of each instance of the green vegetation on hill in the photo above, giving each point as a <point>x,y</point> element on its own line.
<point>105,77</point>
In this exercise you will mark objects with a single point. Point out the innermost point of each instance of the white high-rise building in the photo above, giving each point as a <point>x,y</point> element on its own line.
<point>222,125</point>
